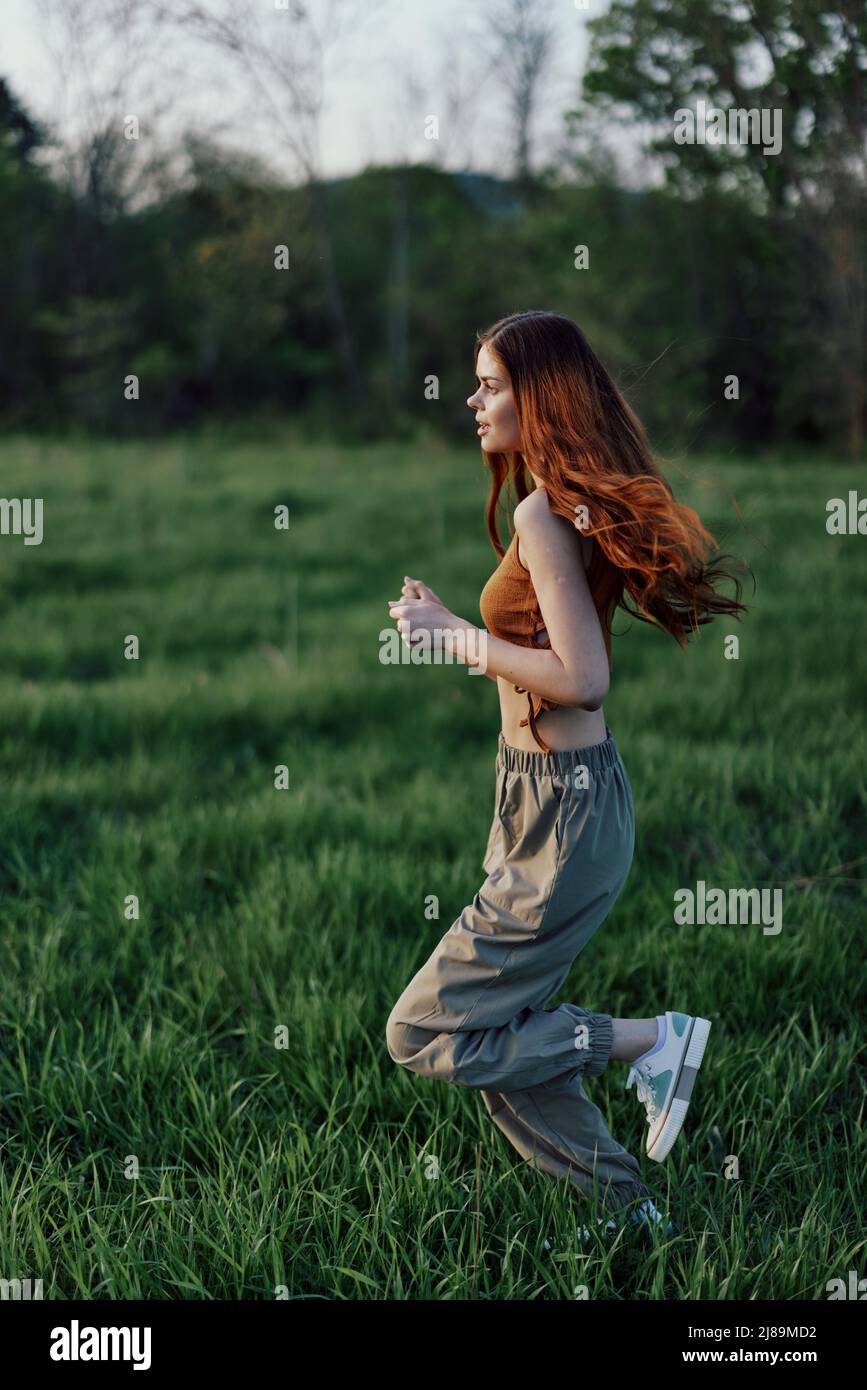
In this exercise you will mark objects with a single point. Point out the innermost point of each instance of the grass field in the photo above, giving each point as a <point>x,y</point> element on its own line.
<point>264,1168</point>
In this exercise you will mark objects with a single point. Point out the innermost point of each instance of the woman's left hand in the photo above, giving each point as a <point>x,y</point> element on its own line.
<point>419,609</point>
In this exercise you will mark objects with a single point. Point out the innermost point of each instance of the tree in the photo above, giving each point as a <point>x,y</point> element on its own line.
<point>102,53</point>
<point>807,59</point>
<point>523,47</point>
<point>19,133</point>
<point>281,57</point>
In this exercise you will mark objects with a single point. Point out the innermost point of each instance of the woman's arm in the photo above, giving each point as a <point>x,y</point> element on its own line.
<point>575,670</point>
<point>489,674</point>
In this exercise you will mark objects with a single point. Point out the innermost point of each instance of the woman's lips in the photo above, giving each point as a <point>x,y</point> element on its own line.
<point>483,429</point>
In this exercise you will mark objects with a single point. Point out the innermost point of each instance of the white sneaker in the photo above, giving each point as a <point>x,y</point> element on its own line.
<point>664,1078</point>
<point>645,1215</point>
<point>583,1233</point>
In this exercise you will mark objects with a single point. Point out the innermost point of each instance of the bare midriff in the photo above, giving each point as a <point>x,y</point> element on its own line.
<point>562,729</point>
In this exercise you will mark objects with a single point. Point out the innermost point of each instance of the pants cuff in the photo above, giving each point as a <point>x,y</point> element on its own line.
<point>601,1042</point>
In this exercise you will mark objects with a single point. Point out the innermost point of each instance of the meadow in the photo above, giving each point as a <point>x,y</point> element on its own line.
<point>196,1102</point>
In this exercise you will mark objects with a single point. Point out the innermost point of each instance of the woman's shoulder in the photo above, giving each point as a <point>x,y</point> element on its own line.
<point>535,521</point>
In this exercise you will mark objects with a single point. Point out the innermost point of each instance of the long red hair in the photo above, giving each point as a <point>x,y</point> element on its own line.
<point>652,553</point>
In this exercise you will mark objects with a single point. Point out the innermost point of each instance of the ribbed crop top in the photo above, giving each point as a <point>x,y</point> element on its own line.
<point>510,610</point>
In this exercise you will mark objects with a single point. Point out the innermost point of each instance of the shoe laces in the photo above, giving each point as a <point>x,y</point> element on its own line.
<point>642,1075</point>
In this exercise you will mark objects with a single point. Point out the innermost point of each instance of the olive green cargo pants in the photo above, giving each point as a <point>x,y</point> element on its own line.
<point>558,854</point>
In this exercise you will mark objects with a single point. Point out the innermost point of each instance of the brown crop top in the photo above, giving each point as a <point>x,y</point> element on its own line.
<point>510,609</point>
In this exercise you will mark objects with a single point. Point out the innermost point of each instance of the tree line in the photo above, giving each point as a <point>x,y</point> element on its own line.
<point>729,301</point>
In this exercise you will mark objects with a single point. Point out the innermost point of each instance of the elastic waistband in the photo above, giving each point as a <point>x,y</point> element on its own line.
<point>594,758</point>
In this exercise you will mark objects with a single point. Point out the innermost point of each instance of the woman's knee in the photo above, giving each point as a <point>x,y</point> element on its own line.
<point>399,1042</point>
<point>409,1046</point>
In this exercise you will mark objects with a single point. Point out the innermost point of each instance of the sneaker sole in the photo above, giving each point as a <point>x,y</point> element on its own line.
<point>673,1124</point>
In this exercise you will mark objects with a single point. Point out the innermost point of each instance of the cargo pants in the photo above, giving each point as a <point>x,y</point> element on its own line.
<point>558,854</point>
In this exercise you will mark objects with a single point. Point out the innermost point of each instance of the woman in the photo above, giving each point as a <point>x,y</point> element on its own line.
<point>600,529</point>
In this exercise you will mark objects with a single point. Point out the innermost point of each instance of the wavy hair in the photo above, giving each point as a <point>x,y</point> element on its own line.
<point>652,555</point>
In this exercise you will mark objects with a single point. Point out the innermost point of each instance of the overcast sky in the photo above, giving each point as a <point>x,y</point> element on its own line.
<point>402,61</point>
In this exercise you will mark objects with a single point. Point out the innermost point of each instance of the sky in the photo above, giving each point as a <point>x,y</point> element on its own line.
<point>396,67</point>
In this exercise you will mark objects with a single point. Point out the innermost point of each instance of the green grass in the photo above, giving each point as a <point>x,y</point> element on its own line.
<point>305,1166</point>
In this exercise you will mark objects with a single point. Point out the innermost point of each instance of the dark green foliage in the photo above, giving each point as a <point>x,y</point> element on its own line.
<point>183,293</point>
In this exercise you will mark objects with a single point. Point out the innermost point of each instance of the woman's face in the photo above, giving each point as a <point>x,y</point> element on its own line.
<point>494,406</point>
